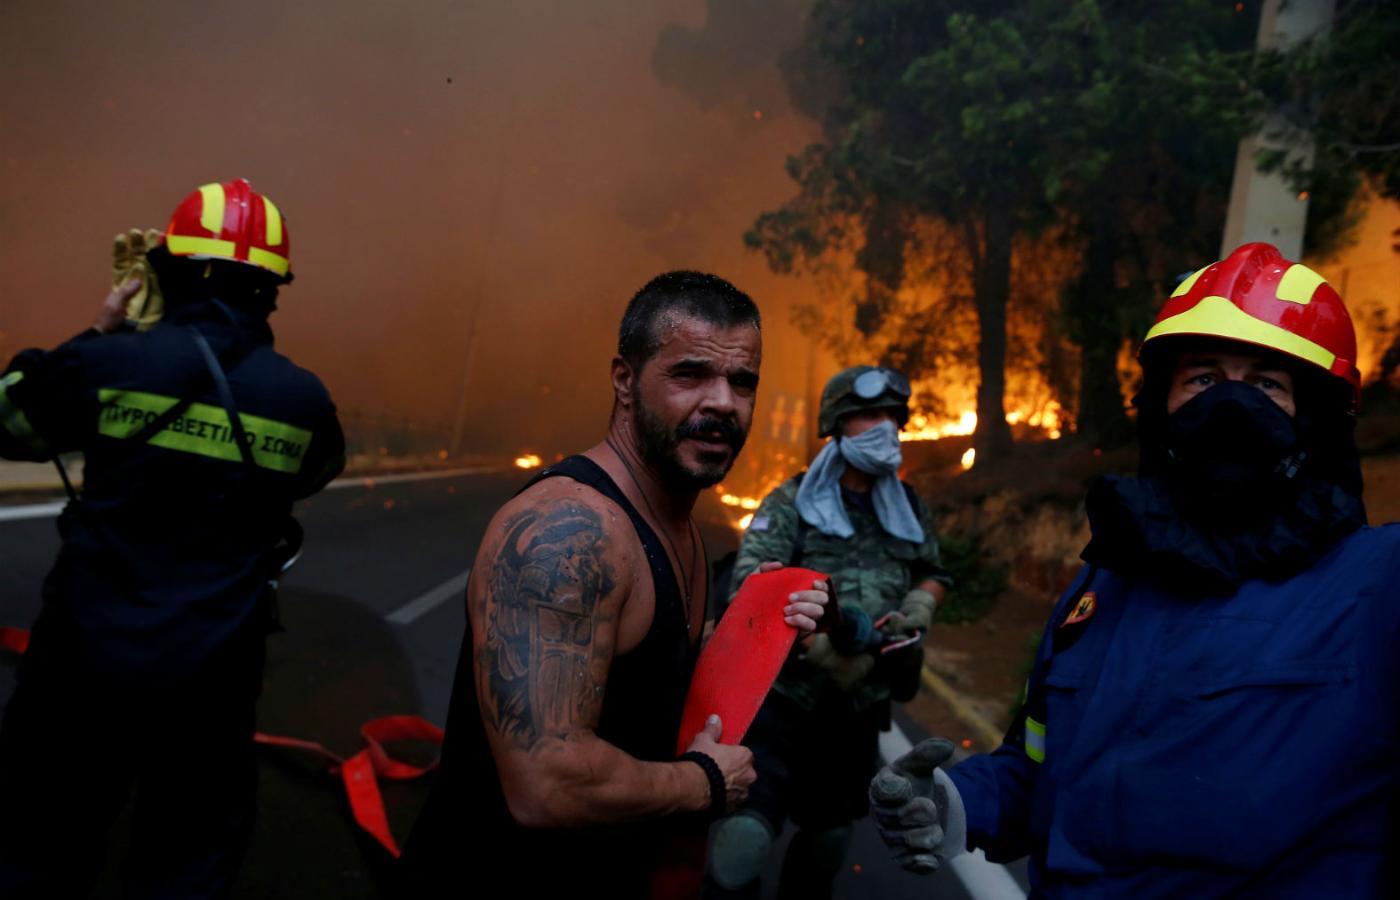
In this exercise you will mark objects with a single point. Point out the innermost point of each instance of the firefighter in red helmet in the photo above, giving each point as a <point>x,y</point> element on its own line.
<point>146,659</point>
<point>1215,705</point>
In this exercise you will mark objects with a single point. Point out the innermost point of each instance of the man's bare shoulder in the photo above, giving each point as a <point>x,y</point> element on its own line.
<point>553,496</point>
<point>548,587</point>
<point>561,509</point>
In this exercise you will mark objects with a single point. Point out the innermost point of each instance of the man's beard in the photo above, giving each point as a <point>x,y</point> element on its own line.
<point>661,449</point>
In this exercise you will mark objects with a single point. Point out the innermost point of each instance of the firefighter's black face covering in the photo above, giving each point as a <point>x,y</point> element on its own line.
<point>1230,452</point>
<point>1232,499</point>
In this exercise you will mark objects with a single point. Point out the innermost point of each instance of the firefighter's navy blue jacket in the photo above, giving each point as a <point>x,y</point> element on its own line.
<point>167,555</point>
<point>1207,746</point>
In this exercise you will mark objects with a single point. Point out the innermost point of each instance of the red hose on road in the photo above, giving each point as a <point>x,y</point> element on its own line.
<point>360,773</point>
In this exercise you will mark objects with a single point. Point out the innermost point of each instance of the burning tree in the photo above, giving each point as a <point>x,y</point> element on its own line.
<point>958,147</point>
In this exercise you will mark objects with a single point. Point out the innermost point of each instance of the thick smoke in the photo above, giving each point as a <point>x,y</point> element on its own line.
<point>473,191</point>
<point>732,59</point>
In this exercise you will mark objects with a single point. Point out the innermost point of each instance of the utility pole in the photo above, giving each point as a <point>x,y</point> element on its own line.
<point>493,211</point>
<point>1263,207</point>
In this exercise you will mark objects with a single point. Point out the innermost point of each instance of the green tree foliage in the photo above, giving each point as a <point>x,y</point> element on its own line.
<point>1109,127</point>
<point>1341,89</point>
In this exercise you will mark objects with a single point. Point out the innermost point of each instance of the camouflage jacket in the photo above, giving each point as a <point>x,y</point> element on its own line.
<point>871,570</point>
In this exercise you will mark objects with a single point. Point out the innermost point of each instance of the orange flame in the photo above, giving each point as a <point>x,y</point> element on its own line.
<point>528,461</point>
<point>922,427</point>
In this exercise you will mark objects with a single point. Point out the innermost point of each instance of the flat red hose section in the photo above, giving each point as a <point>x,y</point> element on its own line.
<point>360,772</point>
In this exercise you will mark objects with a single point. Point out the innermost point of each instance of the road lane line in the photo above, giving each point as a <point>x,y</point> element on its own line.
<point>989,733</point>
<point>375,480</point>
<point>31,511</point>
<point>417,608</point>
<point>48,510</point>
<point>983,880</point>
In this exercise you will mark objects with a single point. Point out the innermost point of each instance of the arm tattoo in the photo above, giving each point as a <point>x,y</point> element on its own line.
<point>550,586</point>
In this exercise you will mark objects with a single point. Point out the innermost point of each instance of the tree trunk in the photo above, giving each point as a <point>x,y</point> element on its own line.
<point>992,280</point>
<point>1094,308</point>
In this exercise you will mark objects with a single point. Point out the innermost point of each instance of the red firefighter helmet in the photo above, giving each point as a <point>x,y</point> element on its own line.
<point>1257,297</point>
<point>234,222</point>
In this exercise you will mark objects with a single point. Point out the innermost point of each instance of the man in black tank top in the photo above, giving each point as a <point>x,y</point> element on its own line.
<point>585,609</point>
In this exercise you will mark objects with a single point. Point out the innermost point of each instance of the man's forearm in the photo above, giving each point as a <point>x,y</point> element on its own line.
<point>584,780</point>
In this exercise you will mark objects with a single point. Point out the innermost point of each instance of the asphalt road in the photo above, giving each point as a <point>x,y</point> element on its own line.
<point>374,620</point>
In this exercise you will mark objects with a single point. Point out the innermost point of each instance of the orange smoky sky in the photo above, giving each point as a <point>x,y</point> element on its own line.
<point>429,156</point>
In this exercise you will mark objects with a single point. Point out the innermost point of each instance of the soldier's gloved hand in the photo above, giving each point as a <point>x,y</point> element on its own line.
<point>915,613</point>
<point>848,672</point>
<point>145,307</point>
<point>917,808</point>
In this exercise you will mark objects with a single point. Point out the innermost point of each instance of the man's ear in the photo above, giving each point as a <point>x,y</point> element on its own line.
<point>624,382</point>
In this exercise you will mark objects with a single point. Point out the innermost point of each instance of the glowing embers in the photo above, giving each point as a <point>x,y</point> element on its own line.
<point>528,461</point>
<point>968,458</point>
<point>737,503</point>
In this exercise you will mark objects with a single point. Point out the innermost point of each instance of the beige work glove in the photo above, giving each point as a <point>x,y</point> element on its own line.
<point>849,672</point>
<point>146,306</point>
<point>915,613</point>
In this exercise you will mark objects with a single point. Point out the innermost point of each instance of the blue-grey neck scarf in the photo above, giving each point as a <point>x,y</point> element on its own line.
<point>875,452</point>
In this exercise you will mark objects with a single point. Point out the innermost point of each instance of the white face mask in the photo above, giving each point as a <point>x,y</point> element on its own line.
<point>874,452</point>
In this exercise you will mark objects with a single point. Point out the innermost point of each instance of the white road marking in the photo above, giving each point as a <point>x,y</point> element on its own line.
<point>48,510</point>
<point>31,511</point>
<point>983,880</point>
<point>421,606</point>
<point>375,480</point>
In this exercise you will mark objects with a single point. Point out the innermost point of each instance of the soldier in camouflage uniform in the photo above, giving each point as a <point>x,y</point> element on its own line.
<point>815,741</point>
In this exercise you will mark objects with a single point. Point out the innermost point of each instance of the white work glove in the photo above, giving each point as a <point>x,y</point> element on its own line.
<point>918,810</point>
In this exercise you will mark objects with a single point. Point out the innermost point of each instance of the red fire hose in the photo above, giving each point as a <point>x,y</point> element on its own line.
<point>360,773</point>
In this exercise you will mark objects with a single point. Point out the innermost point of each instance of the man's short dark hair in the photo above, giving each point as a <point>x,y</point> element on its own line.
<point>706,297</point>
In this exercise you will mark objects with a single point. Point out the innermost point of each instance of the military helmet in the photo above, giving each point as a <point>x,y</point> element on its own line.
<point>862,387</point>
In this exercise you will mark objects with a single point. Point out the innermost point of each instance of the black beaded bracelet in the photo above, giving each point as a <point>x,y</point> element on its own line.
<point>718,796</point>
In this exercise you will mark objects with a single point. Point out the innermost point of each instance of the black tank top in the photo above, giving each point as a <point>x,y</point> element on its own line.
<point>466,834</point>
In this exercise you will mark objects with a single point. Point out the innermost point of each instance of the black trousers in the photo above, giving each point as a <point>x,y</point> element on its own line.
<point>77,745</point>
<point>814,768</point>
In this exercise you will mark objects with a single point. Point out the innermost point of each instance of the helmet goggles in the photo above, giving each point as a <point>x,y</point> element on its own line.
<point>877,382</point>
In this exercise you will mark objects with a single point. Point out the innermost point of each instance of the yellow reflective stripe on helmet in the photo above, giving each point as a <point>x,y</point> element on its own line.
<point>1035,740</point>
<point>13,419</point>
<point>1298,284</point>
<point>1188,282</point>
<point>274,223</point>
<point>1218,317</point>
<point>211,212</point>
<point>184,245</point>
<point>203,429</point>
<point>261,257</point>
